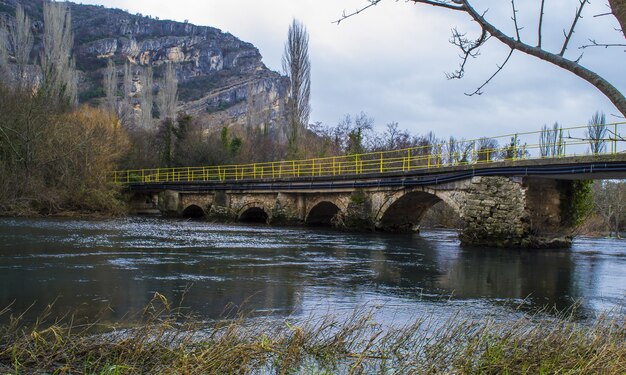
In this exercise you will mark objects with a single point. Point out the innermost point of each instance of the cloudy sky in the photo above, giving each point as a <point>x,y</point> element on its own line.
<point>391,60</point>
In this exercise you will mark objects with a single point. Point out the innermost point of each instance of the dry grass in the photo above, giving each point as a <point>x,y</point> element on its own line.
<point>164,342</point>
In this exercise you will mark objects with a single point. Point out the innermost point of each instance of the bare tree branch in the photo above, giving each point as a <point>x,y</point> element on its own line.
<point>500,67</point>
<point>448,4</point>
<point>543,2</point>
<point>470,48</point>
<point>610,91</point>
<point>517,29</point>
<point>348,15</point>
<point>604,45</point>
<point>571,30</point>
<point>452,4</point>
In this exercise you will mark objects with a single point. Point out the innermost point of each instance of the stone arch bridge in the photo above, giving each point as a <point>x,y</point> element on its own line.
<point>523,204</point>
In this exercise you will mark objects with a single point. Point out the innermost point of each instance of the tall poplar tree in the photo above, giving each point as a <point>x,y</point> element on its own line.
<point>58,66</point>
<point>297,66</point>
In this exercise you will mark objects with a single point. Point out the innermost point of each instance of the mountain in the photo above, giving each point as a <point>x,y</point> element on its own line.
<point>222,80</point>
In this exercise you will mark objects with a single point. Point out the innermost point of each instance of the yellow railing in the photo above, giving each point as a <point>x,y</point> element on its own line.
<point>518,146</point>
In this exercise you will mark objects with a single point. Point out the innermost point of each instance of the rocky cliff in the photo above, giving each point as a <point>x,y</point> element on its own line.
<point>222,80</point>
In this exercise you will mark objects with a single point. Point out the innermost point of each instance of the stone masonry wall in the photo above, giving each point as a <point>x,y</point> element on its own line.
<point>495,213</point>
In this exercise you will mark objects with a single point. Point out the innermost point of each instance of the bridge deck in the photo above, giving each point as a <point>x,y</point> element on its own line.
<point>562,154</point>
<point>577,168</point>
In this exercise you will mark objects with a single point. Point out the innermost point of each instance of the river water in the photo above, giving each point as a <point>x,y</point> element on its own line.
<point>112,268</point>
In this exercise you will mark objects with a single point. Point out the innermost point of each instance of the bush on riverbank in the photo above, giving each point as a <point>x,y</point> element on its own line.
<point>53,159</point>
<point>163,343</point>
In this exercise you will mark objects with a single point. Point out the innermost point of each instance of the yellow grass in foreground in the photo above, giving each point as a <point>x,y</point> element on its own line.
<point>164,342</point>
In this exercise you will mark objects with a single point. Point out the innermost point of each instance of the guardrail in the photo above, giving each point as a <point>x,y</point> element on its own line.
<point>543,144</point>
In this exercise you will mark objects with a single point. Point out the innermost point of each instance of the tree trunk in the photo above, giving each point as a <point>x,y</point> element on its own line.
<point>618,7</point>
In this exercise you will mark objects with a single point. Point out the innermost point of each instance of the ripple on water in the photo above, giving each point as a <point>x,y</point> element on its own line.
<point>185,277</point>
<point>123,263</point>
<point>135,263</point>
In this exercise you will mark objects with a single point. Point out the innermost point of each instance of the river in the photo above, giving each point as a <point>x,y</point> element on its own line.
<point>110,269</point>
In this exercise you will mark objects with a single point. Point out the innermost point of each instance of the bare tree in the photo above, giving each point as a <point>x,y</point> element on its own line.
<point>351,135</point>
<point>393,138</point>
<point>60,80</point>
<point>487,149</point>
<point>551,141</point>
<point>470,47</point>
<point>297,66</point>
<point>168,94</point>
<point>110,86</point>
<point>167,100</point>
<point>22,41</point>
<point>128,80</point>
<point>4,55</point>
<point>125,110</point>
<point>596,133</point>
<point>609,198</point>
<point>514,150</point>
<point>147,99</point>
<point>452,151</point>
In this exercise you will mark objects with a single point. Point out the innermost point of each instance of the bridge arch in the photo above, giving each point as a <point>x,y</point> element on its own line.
<point>253,212</point>
<point>193,211</point>
<point>404,210</point>
<point>323,213</point>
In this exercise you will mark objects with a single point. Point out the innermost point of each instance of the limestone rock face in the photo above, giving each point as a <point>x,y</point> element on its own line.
<point>221,78</point>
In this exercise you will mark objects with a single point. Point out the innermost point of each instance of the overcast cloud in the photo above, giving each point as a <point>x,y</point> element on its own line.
<point>390,61</point>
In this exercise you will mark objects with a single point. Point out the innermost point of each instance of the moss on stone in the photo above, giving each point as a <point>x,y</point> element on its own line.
<point>578,203</point>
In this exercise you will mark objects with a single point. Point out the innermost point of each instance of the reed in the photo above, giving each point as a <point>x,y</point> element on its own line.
<point>165,341</point>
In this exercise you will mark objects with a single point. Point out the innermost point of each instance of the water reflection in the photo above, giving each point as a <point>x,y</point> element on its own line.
<point>120,264</point>
<point>434,267</point>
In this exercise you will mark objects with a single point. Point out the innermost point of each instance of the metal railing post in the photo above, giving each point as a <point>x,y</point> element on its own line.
<point>438,156</point>
<point>408,159</point>
<point>614,138</point>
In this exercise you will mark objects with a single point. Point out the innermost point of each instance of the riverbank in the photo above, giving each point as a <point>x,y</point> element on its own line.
<point>165,341</point>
